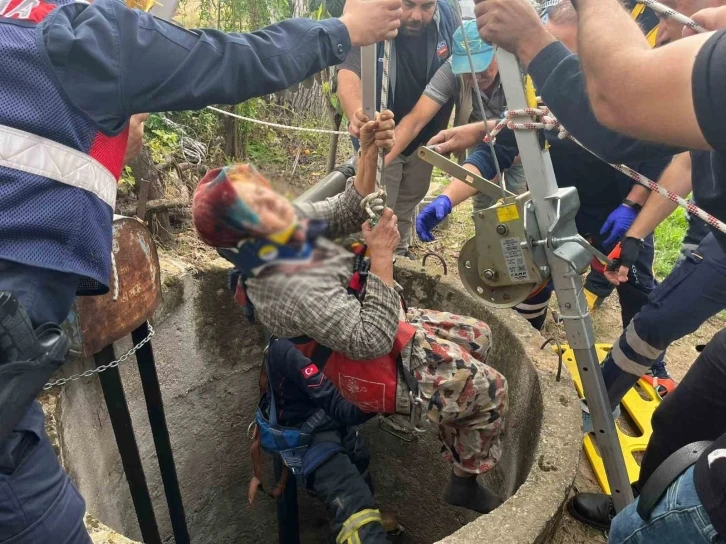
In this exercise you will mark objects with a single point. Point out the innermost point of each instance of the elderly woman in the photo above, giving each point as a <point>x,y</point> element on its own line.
<point>344,311</point>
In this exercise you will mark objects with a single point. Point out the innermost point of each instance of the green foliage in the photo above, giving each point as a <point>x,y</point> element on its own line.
<point>127,177</point>
<point>329,8</point>
<point>668,238</point>
<point>160,139</point>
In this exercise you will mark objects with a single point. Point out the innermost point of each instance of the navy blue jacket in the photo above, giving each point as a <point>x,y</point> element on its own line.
<point>301,388</point>
<point>557,72</point>
<point>114,62</point>
<point>77,76</point>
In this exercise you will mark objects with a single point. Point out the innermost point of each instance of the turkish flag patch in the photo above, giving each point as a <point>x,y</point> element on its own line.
<point>310,370</point>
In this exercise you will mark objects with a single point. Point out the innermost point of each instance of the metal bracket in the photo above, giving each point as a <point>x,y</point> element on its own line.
<point>483,185</point>
<point>368,79</point>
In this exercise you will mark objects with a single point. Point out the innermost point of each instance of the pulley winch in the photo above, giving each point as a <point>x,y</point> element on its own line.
<point>505,262</point>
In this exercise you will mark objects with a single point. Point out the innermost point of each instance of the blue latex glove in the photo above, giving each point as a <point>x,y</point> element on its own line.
<point>432,215</point>
<point>617,224</point>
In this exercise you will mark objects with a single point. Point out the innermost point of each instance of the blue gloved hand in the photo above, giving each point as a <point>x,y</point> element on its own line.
<point>432,215</point>
<point>617,224</point>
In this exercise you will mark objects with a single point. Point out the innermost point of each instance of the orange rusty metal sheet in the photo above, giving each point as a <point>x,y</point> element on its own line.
<point>102,320</point>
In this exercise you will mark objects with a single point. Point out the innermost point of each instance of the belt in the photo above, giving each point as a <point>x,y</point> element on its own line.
<point>666,473</point>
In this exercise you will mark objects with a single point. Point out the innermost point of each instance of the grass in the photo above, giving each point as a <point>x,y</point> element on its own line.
<point>668,237</point>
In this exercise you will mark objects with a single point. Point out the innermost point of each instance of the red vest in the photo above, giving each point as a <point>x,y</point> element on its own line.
<point>370,385</point>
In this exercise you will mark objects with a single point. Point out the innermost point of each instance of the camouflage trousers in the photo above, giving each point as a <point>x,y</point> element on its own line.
<point>467,399</point>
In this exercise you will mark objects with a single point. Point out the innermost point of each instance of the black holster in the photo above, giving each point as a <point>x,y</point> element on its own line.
<point>27,360</point>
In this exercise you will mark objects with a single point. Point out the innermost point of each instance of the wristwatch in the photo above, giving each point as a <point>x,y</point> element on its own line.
<point>637,207</point>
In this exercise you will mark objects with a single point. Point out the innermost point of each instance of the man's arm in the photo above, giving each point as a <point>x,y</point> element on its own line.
<point>515,26</point>
<point>409,127</point>
<point>113,61</point>
<point>643,92</point>
<point>439,91</point>
<point>309,377</point>
<point>349,94</point>
<point>677,178</point>
<point>481,162</point>
<point>558,75</point>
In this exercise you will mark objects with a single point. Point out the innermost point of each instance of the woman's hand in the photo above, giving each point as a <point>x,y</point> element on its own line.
<point>378,134</point>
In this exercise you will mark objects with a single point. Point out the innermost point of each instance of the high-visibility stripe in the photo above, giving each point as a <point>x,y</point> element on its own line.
<point>532,307</point>
<point>626,364</point>
<point>349,531</point>
<point>640,346</point>
<point>34,154</point>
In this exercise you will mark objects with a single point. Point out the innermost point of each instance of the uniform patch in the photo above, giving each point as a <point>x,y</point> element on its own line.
<point>442,50</point>
<point>310,370</point>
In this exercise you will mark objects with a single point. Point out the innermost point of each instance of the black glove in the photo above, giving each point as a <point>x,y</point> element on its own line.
<point>625,253</point>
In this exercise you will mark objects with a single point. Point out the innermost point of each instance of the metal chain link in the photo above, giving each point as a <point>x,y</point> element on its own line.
<point>113,364</point>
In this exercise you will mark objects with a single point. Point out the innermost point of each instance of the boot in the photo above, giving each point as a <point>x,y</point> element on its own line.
<point>465,491</point>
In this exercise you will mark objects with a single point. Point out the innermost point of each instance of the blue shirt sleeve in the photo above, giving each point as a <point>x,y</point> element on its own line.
<point>113,61</point>
<point>556,73</point>
<point>505,149</point>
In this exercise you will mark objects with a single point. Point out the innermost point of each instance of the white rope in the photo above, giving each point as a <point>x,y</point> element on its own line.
<point>193,150</point>
<point>673,14</point>
<point>277,125</point>
<point>375,203</point>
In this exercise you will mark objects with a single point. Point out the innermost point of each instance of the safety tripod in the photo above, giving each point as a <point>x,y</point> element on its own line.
<point>558,251</point>
<point>555,210</point>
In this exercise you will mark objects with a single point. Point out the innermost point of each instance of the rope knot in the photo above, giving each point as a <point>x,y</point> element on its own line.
<point>374,204</point>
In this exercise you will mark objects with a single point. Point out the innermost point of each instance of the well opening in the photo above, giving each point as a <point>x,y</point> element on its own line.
<point>208,360</point>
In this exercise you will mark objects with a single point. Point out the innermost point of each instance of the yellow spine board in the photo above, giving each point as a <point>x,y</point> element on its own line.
<point>639,409</point>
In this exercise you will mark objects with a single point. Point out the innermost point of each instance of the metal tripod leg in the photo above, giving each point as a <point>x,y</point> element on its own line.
<point>160,431</point>
<point>118,411</point>
<point>568,286</point>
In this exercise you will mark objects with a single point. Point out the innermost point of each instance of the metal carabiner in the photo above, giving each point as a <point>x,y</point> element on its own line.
<point>417,404</point>
<point>251,430</point>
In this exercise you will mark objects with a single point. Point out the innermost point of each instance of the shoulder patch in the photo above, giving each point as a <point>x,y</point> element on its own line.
<point>310,370</point>
<point>442,50</point>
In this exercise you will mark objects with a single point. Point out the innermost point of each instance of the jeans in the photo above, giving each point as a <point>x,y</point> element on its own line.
<point>678,518</point>
<point>407,180</point>
<point>38,501</point>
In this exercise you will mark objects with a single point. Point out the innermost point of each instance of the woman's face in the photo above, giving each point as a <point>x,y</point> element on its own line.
<point>275,211</point>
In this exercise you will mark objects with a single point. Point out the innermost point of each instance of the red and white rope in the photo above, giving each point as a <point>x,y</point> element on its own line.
<point>672,14</point>
<point>544,120</point>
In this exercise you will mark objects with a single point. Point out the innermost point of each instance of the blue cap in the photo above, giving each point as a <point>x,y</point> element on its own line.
<point>481,52</point>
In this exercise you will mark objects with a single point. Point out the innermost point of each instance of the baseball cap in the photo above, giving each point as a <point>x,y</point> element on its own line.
<point>481,52</point>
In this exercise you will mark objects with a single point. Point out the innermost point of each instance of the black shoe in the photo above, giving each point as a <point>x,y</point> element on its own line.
<point>594,509</point>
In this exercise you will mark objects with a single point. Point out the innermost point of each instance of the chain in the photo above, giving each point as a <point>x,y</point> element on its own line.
<point>113,364</point>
